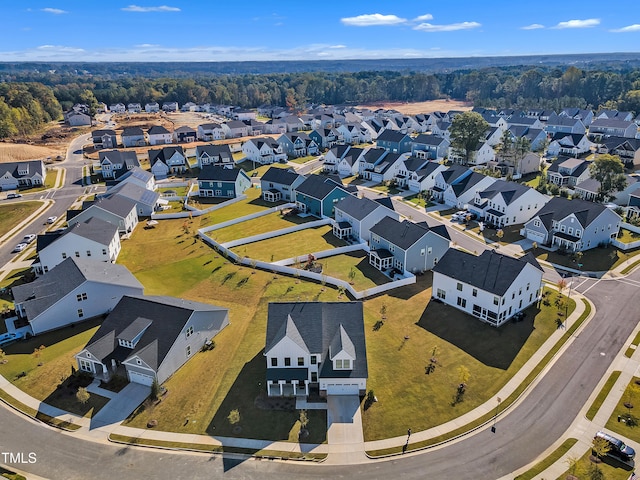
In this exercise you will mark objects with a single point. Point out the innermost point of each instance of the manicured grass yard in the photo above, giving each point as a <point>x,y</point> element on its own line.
<point>13,278</point>
<point>610,468</point>
<point>366,276</point>
<point>51,382</point>
<point>179,191</point>
<point>12,214</point>
<point>253,204</point>
<point>629,430</point>
<point>170,261</point>
<point>258,171</point>
<point>627,236</point>
<point>306,159</point>
<point>597,259</point>
<point>419,200</point>
<point>264,224</point>
<point>291,245</point>
<point>510,234</point>
<point>387,189</point>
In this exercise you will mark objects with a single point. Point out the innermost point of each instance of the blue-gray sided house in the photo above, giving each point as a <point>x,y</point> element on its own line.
<point>394,141</point>
<point>355,216</point>
<point>279,184</point>
<point>218,155</point>
<point>575,225</point>
<point>406,246</point>
<point>133,137</point>
<point>316,347</point>
<point>318,195</point>
<point>222,182</point>
<point>431,147</point>
<point>492,287</point>
<point>115,163</point>
<point>75,290</point>
<point>147,201</point>
<point>167,160</point>
<point>104,139</point>
<point>298,144</point>
<point>147,338</point>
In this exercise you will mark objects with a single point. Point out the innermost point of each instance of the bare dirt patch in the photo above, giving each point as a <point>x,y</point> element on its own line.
<point>414,108</point>
<point>16,152</point>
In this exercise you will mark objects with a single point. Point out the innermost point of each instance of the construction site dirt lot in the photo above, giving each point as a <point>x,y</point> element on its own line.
<point>413,108</point>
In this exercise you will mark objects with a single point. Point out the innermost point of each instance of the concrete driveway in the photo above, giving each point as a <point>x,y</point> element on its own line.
<point>344,429</point>
<point>121,406</point>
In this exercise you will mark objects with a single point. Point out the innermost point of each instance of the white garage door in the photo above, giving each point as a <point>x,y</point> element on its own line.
<point>535,236</point>
<point>140,378</point>
<point>340,389</point>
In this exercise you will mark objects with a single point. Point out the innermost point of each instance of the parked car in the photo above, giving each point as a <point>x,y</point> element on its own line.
<point>29,238</point>
<point>14,195</point>
<point>618,449</point>
<point>19,247</point>
<point>51,219</point>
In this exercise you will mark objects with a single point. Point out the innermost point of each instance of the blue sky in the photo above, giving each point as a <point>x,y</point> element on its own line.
<point>214,30</point>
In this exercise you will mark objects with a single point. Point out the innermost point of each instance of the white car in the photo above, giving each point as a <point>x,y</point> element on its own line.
<point>19,247</point>
<point>29,238</point>
<point>52,219</point>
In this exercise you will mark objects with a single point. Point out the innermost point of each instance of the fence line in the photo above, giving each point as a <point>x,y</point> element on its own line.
<point>276,233</point>
<point>251,216</point>
<point>628,226</point>
<point>625,246</point>
<point>323,254</point>
<point>194,212</point>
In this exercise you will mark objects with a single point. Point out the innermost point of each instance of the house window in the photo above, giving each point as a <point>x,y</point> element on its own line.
<point>422,252</point>
<point>429,250</point>
<point>188,350</point>
<point>474,292</point>
<point>301,361</point>
<point>274,361</point>
<point>459,286</point>
<point>77,254</point>
<point>392,248</point>
<point>528,284</point>
<point>81,296</point>
<point>441,294</point>
<point>496,301</point>
<point>229,193</point>
<point>85,366</point>
<point>314,376</point>
<point>138,361</point>
<point>45,269</point>
<point>536,223</point>
<point>88,253</point>
<point>346,363</point>
<point>64,255</point>
<point>189,331</point>
<point>314,360</point>
<point>80,313</point>
<point>462,302</point>
<point>287,361</point>
<point>104,251</point>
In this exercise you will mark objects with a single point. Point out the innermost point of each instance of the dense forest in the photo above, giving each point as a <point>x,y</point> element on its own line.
<point>25,104</point>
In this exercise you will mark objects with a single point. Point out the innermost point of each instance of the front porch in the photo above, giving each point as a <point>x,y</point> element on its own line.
<point>565,241</point>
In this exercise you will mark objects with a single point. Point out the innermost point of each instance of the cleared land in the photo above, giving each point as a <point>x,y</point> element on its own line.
<point>412,108</point>
<point>15,152</point>
<point>291,245</point>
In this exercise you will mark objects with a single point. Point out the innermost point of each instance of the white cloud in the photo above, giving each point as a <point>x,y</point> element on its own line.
<point>373,19</point>
<point>55,11</point>
<point>590,22</point>
<point>162,8</point>
<point>629,28</point>
<point>428,27</point>
<point>337,46</point>
<point>147,45</point>
<point>533,26</point>
<point>423,18</point>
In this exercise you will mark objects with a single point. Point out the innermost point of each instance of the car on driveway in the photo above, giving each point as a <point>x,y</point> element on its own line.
<point>14,195</point>
<point>51,219</point>
<point>617,448</point>
<point>29,238</point>
<point>19,247</point>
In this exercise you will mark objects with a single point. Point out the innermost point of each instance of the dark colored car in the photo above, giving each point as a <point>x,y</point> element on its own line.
<point>618,449</point>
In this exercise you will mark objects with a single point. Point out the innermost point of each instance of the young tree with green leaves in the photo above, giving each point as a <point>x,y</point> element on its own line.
<point>609,171</point>
<point>467,130</point>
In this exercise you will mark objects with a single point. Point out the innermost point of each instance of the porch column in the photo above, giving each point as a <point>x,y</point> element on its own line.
<point>295,385</point>
<point>281,383</point>
<point>269,385</point>
<point>306,387</point>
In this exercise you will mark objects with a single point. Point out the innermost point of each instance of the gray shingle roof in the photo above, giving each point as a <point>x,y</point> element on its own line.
<point>282,176</point>
<point>214,173</point>
<point>34,166</point>
<point>509,191</point>
<point>490,271</point>
<point>317,186</point>
<point>167,315</point>
<point>317,324</point>
<point>157,130</point>
<point>358,208</point>
<point>134,193</point>
<point>43,292</point>
<point>164,154</point>
<point>391,136</point>
<point>403,234</point>
<point>559,208</point>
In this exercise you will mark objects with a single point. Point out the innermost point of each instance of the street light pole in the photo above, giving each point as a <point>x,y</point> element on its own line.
<point>495,417</point>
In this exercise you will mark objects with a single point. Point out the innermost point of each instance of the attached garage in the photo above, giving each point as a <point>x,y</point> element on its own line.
<point>138,377</point>
<point>342,389</point>
<point>535,236</point>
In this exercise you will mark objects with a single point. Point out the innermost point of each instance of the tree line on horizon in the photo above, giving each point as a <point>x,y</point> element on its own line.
<point>25,105</point>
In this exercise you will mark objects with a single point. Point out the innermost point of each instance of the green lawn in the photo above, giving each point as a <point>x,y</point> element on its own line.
<point>610,469</point>
<point>399,350</point>
<point>531,179</point>
<point>510,233</point>
<point>419,200</point>
<point>627,236</point>
<point>386,189</point>
<point>252,204</point>
<point>52,382</point>
<point>13,278</point>
<point>602,395</point>
<point>305,159</point>
<point>264,224</point>
<point>291,245</point>
<point>635,343</point>
<point>597,259</point>
<point>176,206</point>
<point>259,170</point>
<point>14,213</point>
<point>628,429</point>
<point>556,455</point>
<point>365,276</point>
<point>179,191</point>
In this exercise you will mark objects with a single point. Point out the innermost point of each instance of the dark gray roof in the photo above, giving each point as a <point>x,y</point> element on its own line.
<point>94,229</point>
<point>117,205</point>
<point>282,176</point>
<point>611,123</point>
<point>132,132</point>
<point>490,271</point>
<point>509,191</point>
<point>317,186</point>
<point>314,326</point>
<point>164,317</point>
<point>34,166</point>
<point>222,151</point>
<point>259,142</point>
<point>424,139</point>
<point>137,173</point>
<point>358,208</point>
<point>101,133</point>
<point>157,130</point>
<point>43,292</point>
<point>403,234</point>
<point>185,129</point>
<point>467,183</point>
<point>391,136</point>
<point>413,164</point>
<point>428,169</point>
<point>134,193</point>
<point>164,154</point>
<point>453,173</point>
<point>559,208</point>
